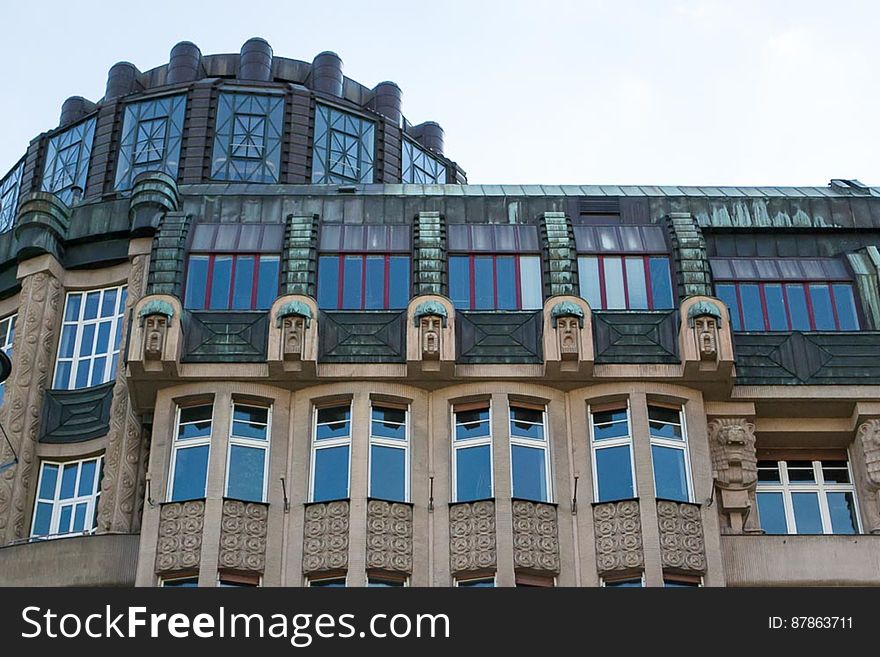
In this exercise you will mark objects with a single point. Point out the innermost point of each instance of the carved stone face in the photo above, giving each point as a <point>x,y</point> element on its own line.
<point>732,442</point>
<point>568,331</point>
<point>706,330</point>
<point>429,333</point>
<point>155,327</point>
<point>293,337</point>
<point>869,435</point>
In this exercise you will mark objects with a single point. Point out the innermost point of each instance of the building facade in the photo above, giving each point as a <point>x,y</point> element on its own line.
<point>264,333</point>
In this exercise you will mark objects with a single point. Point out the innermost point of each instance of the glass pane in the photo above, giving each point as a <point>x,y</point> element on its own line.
<point>99,368</point>
<point>71,312</point>
<point>842,509</point>
<point>614,296</point>
<point>331,474</point>
<point>806,513</point>
<point>42,519</point>
<point>353,279</point>
<point>484,284</point>
<point>384,583</point>
<point>328,282</point>
<point>670,473</point>
<point>610,424</point>
<point>334,414</point>
<point>775,307</point>
<point>82,375</point>
<point>635,283</point>
<point>250,414</point>
<point>194,430</point>
<point>68,481</point>
<point>823,313</point>
<point>460,282</point>
<point>835,472</point>
<point>771,510</point>
<point>91,308</point>
<point>221,282</point>
<point>267,284</point>
<point>624,583</point>
<point>588,277</point>
<point>388,473</point>
<point>529,473</point>
<point>505,272</point>
<point>846,307</point>
<point>800,471</point>
<point>614,473</point>
<point>727,294</point>
<point>47,483</point>
<point>68,338</point>
<point>79,517</point>
<point>183,583</point>
<point>473,473</point>
<point>375,283</point>
<point>663,414</point>
<point>531,285</point>
<point>103,344</point>
<point>477,584</point>
<point>336,582</point>
<point>62,375</point>
<point>472,424</point>
<point>190,473</point>
<point>797,307</point>
<point>86,478</point>
<point>64,519</point>
<point>87,341</point>
<point>398,282</point>
<point>333,422</point>
<point>661,283</point>
<point>768,471</point>
<point>753,314</point>
<point>108,304</point>
<point>246,470</point>
<point>248,430</point>
<point>243,288</point>
<point>389,423</point>
<point>526,423</point>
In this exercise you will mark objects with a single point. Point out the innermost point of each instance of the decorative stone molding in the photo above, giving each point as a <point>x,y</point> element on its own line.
<point>293,318</point>
<point>325,537</point>
<point>41,225</point>
<point>300,256</point>
<point>430,339</point>
<point>180,536</point>
<point>868,436</point>
<point>704,318</point>
<point>243,530</point>
<point>154,342</point>
<point>568,336</point>
<point>472,536</point>
<point>293,335</point>
<point>618,528</point>
<point>682,547</point>
<point>705,339</point>
<point>535,537</point>
<point>689,249</point>
<point>389,536</point>
<point>735,469</point>
<point>153,194</point>
<point>430,251</point>
<point>559,252</point>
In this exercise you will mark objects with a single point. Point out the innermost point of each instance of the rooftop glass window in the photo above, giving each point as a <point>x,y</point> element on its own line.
<point>343,148</point>
<point>421,167</point>
<point>9,190</point>
<point>247,140</point>
<point>151,135</point>
<point>67,160</point>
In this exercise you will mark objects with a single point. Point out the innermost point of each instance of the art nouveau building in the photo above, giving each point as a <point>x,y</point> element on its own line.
<point>263,332</point>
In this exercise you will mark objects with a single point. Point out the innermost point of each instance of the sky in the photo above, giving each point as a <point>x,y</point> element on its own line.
<point>678,92</point>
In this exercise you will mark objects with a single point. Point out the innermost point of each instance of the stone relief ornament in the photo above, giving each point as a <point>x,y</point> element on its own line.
<point>868,436</point>
<point>682,547</point>
<point>325,537</point>
<point>243,530</point>
<point>735,469</point>
<point>618,528</point>
<point>430,336</point>
<point>568,319</point>
<point>294,318</point>
<point>389,536</point>
<point>535,537</point>
<point>472,536</point>
<point>705,319</point>
<point>180,536</point>
<point>155,327</point>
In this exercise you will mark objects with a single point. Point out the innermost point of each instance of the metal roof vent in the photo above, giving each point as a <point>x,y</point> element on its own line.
<point>850,186</point>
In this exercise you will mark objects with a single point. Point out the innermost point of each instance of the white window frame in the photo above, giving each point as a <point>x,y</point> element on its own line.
<point>542,444</point>
<point>7,335</point>
<point>623,441</point>
<point>91,499</point>
<point>187,443</point>
<point>379,441</point>
<point>330,442</point>
<point>255,443</point>
<point>114,340</point>
<point>604,581</point>
<point>819,487</point>
<point>672,443</point>
<point>471,442</point>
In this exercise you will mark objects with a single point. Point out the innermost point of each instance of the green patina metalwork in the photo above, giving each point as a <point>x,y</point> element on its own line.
<point>430,308</point>
<point>702,309</point>
<point>567,309</point>
<point>157,307</point>
<point>294,309</point>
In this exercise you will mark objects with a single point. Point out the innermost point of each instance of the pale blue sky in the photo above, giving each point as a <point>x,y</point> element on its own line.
<point>677,92</point>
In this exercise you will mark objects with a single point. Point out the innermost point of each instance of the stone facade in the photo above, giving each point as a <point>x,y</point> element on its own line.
<point>325,537</point>
<point>179,547</point>
<point>472,547</point>
<point>618,530</point>
<point>535,537</point>
<point>389,536</point>
<point>243,531</point>
<point>682,547</point>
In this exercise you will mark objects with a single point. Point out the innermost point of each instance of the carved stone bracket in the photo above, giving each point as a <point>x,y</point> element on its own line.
<point>618,528</point>
<point>389,536</point>
<point>735,468</point>
<point>180,536</point>
<point>243,530</point>
<point>682,547</point>
<point>325,537</point>
<point>472,536</point>
<point>535,537</point>
<point>868,436</point>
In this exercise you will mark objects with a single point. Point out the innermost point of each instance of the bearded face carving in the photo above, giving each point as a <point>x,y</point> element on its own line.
<point>155,327</point>
<point>429,334</point>
<point>732,441</point>
<point>869,436</point>
<point>568,334</point>
<point>293,337</point>
<point>706,329</point>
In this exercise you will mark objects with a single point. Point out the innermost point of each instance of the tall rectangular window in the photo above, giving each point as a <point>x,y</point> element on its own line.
<point>67,497</point>
<point>247,140</point>
<point>247,462</point>
<point>67,161</point>
<point>363,281</point>
<point>472,452</point>
<point>669,453</point>
<point>331,453</point>
<point>389,453</point>
<point>231,282</point>
<point>638,282</point>
<point>807,497</point>
<point>496,282</point>
<point>343,147</point>
<point>9,188</point>
<point>611,442</point>
<point>7,335</point>
<point>192,447</point>
<point>152,132</point>
<point>529,453</point>
<point>88,350</point>
<point>421,167</point>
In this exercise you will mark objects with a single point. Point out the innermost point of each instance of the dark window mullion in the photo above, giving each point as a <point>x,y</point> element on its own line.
<point>649,284</point>
<point>809,300</point>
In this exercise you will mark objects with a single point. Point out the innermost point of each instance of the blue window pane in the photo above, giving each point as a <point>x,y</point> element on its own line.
<point>797,307</point>
<point>244,283</point>
<point>353,278</point>
<point>86,478</point>
<point>267,289</point>
<point>42,519</point>
<point>248,430</point>
<point>588,277</point>
<point>617,429</point>
<point>398,282</point>
<point>190,473</point>
<point>68,340</point>
<point>333,422</point>
<point>68,481</point>
<point>387,473</point>
<point>753,314</point>
<point>64,519</point>
<point>82,375</point>
<point>247,141</point>
<point>47,483</point>
<point>624,584</point>
<point>727,294</point>
<point>332,583</point>
<point>331,474</point>
<point>99,367</point>
<point>472,424</point>
<point>484,284</point>
<point>614,473</point>
<point>388,423</point>
<point>823,313</point>
<point>79,517</point>
<point>473,473</point>
<point>71,312</point>
<point>250,414</point>
<point>460,282</point>
<point>87,340</point>
<point>62,376</point>
<point>531,286</point>
<point>103,344</point>
<point>529,473</point>
<point>246,469</point>
<point>527,423</point>
<point>661,283</point>
<point>615,299</point>
<point>328,282</point>
<point>842,509</point>
<point>771,510</point>
<point>196,282</point>
<point>806,513</point>
<point>375,283</point>
<point>635,283</point>
<point>108,304</point>
<point>221,282</point>
<point>343,147</point>
<point>477,584</point>
<point>91,309</point>
<point>846,307</point>
<point>775,307</point>
<point>505,269</point>
<point>670,473</point>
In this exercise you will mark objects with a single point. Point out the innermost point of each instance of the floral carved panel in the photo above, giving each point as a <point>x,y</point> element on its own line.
<point>681,536</point>
<point>535,537</point>
<point>180,536</point>
<point>325,537</point>
<point>472,536</point>
<point>390,536</point>
<point>618,536</point>
<point>243,530</point>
